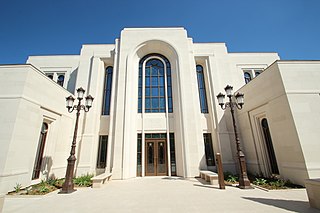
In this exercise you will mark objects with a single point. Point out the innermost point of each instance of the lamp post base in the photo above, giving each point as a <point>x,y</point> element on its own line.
<point>67,191</point>
<point>245,187</point>
<point>244,182</point>
<point>68,185</point>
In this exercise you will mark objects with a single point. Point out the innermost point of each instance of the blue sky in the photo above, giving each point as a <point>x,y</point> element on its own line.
<point>50,27</point>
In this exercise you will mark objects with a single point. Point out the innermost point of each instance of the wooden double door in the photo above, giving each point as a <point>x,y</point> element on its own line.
<point>156,157</point>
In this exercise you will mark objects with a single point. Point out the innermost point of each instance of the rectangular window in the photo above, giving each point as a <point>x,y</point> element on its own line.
<point>139,155</point>
<point>173,156</point>
<point>40,151</point>
<point>250,74</point>
<point>50,75</point>
<point>208,148</point>
<point>102,152</point>
<point>107,91</point>
<point>202,90</point>
<point>60,79</point>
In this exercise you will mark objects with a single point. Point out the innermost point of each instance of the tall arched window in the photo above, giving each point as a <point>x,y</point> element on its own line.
<point>269,145</point>
<point>202,90</point>
<point>247,77</point>
<point>156,68</point>
<point>40,151</point>
<point>107,91</point>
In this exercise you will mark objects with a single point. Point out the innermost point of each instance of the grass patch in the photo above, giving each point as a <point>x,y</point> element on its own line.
<point>83,181</point>
<point>274,183</point>
<point>270,183</point>
<point>50,185</point>
<point>230,178</point>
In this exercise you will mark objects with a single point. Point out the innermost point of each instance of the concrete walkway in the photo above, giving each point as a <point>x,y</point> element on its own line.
<point>162,194</point>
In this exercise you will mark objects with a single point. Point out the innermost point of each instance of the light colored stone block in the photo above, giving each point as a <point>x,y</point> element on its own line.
<point>313,191</point>
<point>97,181</point>
<point>1,201</point>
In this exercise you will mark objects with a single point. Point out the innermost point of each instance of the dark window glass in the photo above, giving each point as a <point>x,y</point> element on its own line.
<point>156,135</point>
<point>155,85</point>
<point>247,77</point>
<point>173,155</point>
<point>139,155</point>
<point>202,90</point>
<point>60,80</point>
<point>257,72</point>
<point>40,150</point>
<point>50,76</point>
<point>208,148</point>
<point>269,145</point>
<point>102,152</point>
<point>107,91</point>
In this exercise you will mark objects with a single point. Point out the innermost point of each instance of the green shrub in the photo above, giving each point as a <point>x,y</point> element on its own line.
<point>277,183</point>
<point>18,187</point>
<point>84,180</point>
<point>43,189</point>
<point>229,177</point>
<point>260,181</point>
<point>52,181</point>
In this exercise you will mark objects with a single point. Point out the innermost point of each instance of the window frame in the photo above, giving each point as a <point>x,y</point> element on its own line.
<point>208,149</point>
<point>168,100</point>
<point>107,90</point>
<point>61,83</point>
<point>253,72</point>
<point>40,151</point>
<point>100,155</point>
<point>202,90</point>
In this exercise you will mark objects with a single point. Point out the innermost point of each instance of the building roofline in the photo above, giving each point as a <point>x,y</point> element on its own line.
<point>252,52</point>
<point>155,28</point>
<point>36,70</point>
<point>3,65</point>
<point>209,42</point>
<point>298,61</point>
<point>97,44</point>
<point>280,61</point>
<point>64,55</point>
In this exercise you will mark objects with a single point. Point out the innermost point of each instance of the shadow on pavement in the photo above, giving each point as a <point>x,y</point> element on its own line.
<point>290,205</point>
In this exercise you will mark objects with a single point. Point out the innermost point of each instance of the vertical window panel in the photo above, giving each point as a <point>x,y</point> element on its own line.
<point>162,103</point>
<point>107,91</point>
<point>60,80</point>
<point>202,89</point>
<point>102,152</point>
<point>155,91</point>
<point>148,91</point>
<point>139,155</point>
<point>40,151</point>
<point>172,155</point>
<point>147,81</point>
<point>162,92</point>
<point>247,77</point>
<point>208,149</point>
<point>269,146</point>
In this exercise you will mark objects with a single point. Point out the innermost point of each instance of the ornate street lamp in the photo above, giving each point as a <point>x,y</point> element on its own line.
<point>244,182</point>
<point>68,185</point>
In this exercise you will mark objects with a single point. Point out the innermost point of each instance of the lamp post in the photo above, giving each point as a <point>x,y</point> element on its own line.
<point>244,182</point>
<point>68,185</point>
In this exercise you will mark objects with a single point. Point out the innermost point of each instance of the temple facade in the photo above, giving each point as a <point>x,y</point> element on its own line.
<point>155,111</point>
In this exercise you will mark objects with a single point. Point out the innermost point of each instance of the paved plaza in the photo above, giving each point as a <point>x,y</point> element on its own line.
<point>162,194</point>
